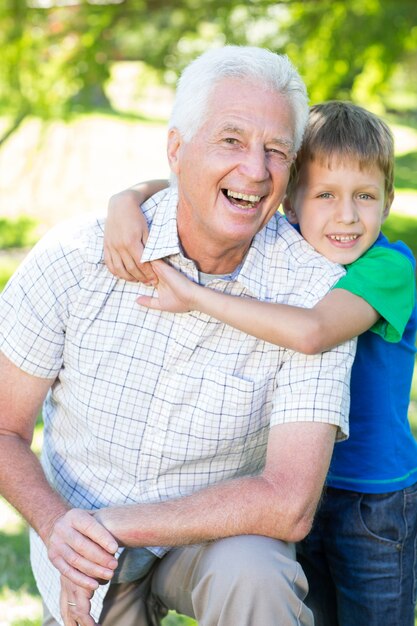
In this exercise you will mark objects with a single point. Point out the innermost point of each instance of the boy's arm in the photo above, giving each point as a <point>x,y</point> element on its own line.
<point>126,232</point>
<point>339,316</point>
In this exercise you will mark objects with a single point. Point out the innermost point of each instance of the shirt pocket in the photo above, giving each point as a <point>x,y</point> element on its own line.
<point>222,414</point>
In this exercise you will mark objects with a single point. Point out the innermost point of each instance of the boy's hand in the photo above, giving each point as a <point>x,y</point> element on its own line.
<point>125,235</point>
<point>176,293</point>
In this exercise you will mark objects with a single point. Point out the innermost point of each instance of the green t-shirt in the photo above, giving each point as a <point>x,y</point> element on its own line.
<point>385,279</point>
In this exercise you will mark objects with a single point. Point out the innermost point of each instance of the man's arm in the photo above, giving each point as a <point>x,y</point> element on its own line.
<point>24,485</point>
<point>278,503</point>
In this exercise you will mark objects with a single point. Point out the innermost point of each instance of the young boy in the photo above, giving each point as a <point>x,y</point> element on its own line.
<point>361,556</point>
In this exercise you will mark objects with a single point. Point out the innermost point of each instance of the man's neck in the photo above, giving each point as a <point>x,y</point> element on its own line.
<point>225,262</point>
<point>212,258</point>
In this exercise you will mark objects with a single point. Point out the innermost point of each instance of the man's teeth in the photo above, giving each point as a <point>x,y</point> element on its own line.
<point>243,196</point>
<point>343,238</point>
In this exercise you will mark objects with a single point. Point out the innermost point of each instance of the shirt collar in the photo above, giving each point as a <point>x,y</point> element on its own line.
<point>255,272</point>
<point>163,240</point>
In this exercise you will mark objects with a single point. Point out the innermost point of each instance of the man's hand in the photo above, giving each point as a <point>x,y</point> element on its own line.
<point>75,604</point>
<point>82,549</point>
<point>176,293</point>
<point>125,235</point>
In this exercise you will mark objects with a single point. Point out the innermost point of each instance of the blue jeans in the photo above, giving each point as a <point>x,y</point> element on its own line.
<point>361,559</point>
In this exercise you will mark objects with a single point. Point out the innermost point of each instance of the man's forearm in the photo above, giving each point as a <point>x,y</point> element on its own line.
<point>279,503</point>
<point>66,532</point>
<point>24,485</point>
<point>239,507</point>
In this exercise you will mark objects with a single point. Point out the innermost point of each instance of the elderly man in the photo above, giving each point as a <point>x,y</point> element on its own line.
<point>199,449</point>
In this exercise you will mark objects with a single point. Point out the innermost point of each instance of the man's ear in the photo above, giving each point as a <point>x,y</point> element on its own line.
<point>289,210</point>
<point>388,202</point>
<point>173,148</point>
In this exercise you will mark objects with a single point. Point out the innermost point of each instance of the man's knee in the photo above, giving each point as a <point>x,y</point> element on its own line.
<point>241,580</point>
<point>252,563</point>
<point>251,579</point>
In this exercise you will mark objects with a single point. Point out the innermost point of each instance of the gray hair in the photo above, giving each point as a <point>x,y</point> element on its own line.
<point>197,81</point>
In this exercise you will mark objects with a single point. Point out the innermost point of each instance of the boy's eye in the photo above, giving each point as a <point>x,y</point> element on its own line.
<point>365,196</point>
<point>325,195</point>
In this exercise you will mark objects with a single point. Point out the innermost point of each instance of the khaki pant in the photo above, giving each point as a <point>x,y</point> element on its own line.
<point>239,581</point>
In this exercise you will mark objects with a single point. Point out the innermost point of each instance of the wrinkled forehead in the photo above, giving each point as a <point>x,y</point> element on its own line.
<point>249,103</point>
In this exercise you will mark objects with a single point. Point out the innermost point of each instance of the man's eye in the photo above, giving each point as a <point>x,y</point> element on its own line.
<point>279,152</point>
<point>230,140</point>
<point>280,156</point>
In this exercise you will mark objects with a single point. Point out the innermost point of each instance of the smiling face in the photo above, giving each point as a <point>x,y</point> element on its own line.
<point>233,173</point>
<point>339,208</point>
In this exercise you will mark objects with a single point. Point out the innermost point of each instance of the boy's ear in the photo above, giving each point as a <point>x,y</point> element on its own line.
<point>388,203</point>
<point>289,210</point>
<point>173,149</point>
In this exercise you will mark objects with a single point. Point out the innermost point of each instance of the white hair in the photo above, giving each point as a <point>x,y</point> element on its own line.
<point>273,71</point>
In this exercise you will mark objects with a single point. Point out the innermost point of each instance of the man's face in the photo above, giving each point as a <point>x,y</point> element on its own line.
<point>233,174</point>
<point>340,208</point>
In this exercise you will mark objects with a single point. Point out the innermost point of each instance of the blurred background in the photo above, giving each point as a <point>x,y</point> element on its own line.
<point>85,92</point>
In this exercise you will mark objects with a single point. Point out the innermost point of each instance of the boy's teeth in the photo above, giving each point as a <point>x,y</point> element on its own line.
<point>343,238</point>
<point>243,196</point>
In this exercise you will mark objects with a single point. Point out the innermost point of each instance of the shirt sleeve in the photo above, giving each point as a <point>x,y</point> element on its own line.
<point>385,279</point>
<point>316,388</point>
<point>34,307</point>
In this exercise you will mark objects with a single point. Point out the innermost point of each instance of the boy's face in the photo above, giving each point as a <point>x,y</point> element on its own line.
<point>339,208</point>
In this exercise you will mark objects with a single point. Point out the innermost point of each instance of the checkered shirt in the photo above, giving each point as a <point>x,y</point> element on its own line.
<point>149,405</point>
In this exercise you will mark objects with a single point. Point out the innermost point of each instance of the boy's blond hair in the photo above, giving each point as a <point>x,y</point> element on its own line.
<point>341,132</point>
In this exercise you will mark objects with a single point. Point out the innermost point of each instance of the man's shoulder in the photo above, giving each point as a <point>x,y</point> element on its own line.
<point>282,267</point>
<point>76,238</point>
<point>287,250</point>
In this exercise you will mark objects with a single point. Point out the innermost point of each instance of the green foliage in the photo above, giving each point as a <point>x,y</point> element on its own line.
<point>350,49</point>
<point>404,228</point>
<point>58,58</point>
<point>15,574</point>
<point>405,171</point>
<point>17,233</point>
<point>7,267</point>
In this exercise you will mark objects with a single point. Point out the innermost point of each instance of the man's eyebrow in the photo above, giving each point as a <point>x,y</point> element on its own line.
<point>287,143</point>
<point>231,128</point>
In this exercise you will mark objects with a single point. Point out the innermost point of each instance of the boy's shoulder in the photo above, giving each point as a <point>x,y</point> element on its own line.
<point>395,246</point>
<point>384,262</point>
<point>384,276</point>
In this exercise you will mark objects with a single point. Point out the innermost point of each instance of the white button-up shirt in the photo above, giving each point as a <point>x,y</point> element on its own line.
<point>150,405</point>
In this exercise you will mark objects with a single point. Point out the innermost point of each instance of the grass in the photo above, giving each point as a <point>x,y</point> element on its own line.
<point>20,604</point>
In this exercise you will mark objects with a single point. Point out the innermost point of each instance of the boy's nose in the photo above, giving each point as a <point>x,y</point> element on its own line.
<point>346,211</point>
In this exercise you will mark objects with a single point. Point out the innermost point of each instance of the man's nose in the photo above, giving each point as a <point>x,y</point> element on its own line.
<point>254,164</point>
<point>346,211</point>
